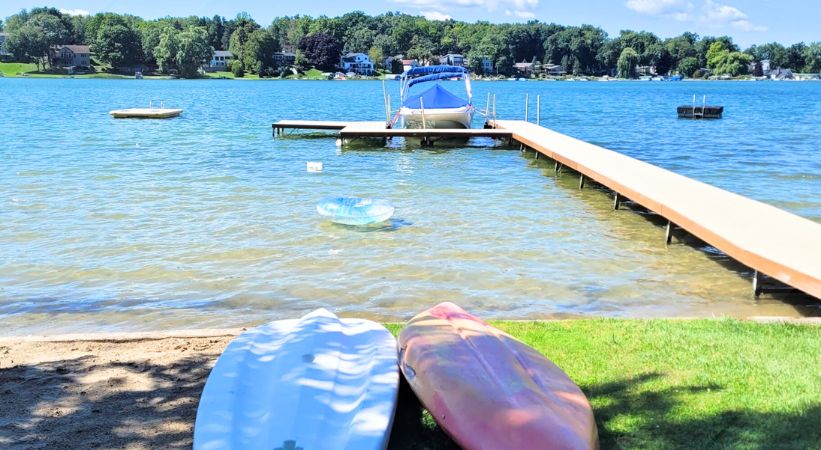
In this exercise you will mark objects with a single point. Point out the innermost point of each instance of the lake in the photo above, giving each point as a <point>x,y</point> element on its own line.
<point>207,221</point>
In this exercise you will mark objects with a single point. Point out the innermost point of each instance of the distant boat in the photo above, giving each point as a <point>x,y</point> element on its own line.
<point>435,107</point>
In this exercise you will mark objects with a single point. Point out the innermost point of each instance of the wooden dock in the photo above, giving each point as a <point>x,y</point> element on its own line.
<point>349,131</point>
<point>771,241</point>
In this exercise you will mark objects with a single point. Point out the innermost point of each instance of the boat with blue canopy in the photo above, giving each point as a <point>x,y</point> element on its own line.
<point>435,107</point>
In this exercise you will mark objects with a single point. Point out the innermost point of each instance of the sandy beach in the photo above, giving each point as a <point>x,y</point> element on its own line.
<point>135,391</point>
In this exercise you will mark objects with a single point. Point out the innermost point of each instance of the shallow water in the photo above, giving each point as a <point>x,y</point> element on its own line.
<point>208,221</point>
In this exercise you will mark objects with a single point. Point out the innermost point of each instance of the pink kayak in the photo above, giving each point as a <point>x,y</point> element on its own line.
<point>488,390</point>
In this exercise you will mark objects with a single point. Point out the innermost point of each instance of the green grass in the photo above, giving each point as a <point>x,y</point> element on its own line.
<point>14,69</point>
<point>314,74</point>
<point>661,384</point>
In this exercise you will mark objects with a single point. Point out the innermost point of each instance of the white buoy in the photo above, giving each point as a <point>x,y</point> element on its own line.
<point>314,166</point>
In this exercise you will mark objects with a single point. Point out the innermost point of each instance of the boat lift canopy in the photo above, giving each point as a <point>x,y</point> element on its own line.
<point>433,73</point>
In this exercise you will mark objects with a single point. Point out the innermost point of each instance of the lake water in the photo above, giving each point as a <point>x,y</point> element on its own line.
<point>206,220</point>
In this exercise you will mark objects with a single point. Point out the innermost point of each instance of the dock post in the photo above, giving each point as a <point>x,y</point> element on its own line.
<point>757,287</point>
<point>616,201</point>
<point>422,105</point>
<point>668,235</point>
<point>487,107</point>
<point>537,155</point>
<point>527,100</point>
<point>581,181</point>
<point>538,110</point>
<point>557,167</point>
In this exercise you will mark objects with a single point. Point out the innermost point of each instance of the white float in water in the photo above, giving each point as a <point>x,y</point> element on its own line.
<point>314,166</point>
<point>355,210</point>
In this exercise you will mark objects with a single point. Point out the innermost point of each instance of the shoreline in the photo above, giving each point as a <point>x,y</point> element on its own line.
<point>136,336</point>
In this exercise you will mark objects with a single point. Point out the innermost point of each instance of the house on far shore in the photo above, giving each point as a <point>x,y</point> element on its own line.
<point>554,70</point>
<point>524,68</point>
<point>781,74</point>
<point>284,59</point>
<point>408,64</point>
<point>4,51</point>
<point>452,59</point>
<point>358,63</point>
<point>220,60</point>
<point>70,56</point>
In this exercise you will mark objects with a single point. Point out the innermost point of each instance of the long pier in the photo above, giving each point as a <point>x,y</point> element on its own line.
<point>769,240</point>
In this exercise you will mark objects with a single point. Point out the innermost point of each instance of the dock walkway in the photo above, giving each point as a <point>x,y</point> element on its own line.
<point>767,239</point>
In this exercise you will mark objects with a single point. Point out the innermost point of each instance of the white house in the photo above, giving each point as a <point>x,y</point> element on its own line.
<point>221,60</point>
<point>358,63</point>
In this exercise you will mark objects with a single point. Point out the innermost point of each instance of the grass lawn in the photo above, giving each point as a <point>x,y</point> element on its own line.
<point>13,69</point>
<point>663,384</point>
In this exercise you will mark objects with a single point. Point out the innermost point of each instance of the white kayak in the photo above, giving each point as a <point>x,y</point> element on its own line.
<point>318,382</point>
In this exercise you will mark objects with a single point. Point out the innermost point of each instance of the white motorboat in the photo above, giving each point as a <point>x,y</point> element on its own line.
<point>435,107</point>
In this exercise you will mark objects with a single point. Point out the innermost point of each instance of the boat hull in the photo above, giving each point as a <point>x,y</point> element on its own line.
<point>448,118</point>
<point>488,390</point>
<point>145,113</point>
<point>318,382</point>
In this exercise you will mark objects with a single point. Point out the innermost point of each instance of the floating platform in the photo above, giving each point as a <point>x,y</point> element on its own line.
<point>145,113</point>
<point>349,131</point>
<point>699,112</point>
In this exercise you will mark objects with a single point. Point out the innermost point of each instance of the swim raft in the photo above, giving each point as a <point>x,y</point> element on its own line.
<point>145,113</point>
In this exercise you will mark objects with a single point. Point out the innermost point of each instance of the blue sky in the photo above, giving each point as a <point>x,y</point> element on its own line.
<point>747,21</point>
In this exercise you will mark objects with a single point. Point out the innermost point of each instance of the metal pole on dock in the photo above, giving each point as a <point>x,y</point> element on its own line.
<point>494,110</point>
<point>487,107</point>
<point>538,110</point>
<point>387,103</point>
<point>422,105</point>
<point>527,100</point>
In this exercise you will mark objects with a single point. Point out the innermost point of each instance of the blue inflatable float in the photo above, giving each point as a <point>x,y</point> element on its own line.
<point>355,210</point>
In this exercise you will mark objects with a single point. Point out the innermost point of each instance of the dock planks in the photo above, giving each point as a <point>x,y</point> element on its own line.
<point>772,241</point>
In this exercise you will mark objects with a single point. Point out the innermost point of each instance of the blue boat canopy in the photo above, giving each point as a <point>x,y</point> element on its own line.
<point>428,70</point>
<point>435,97</point>
<point>434,77</point>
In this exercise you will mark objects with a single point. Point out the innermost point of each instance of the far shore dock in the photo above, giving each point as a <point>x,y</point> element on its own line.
<point>774,243</point>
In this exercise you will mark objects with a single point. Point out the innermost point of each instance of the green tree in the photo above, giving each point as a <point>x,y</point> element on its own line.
<point>732,63</point>
<point>258,52</point>
<point>688,66</point>
<point>193,51</point>
<point>321,51</point>
<point>117,44</point>
<point>812,57</point>
<point>165,52</point>
<point>716,54</point>
<point>29,43</point>
<point>376,56</point>
<point>626,65</point>
<point>244,26</point>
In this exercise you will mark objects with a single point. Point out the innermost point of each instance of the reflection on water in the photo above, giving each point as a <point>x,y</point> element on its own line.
<point>208,221</point>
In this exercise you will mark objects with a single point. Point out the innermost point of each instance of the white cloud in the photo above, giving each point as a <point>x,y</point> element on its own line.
<point>525,9</point>
<point>710,14</point>
<point>75,12</point>
<point>435,15</point>
<point>676,9</point>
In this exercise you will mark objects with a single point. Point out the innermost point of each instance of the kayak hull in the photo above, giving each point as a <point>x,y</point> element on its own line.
<point>488,390</point>
<point>318,382</point>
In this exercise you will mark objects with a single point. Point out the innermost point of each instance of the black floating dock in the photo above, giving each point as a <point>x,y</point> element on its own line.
<point>699,112</point>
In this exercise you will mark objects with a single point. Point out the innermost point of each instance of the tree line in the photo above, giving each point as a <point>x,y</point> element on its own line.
<point>182,44</point>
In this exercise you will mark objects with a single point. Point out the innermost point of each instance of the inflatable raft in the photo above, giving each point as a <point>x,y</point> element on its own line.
<point>355,210</point>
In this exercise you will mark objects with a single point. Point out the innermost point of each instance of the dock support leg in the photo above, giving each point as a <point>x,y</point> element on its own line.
<point>581,181</point>
<point>757,287</point>
<point>557,167</point>
<point>668,235</point>
<point>537,156</point>
<point>616,201</point>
